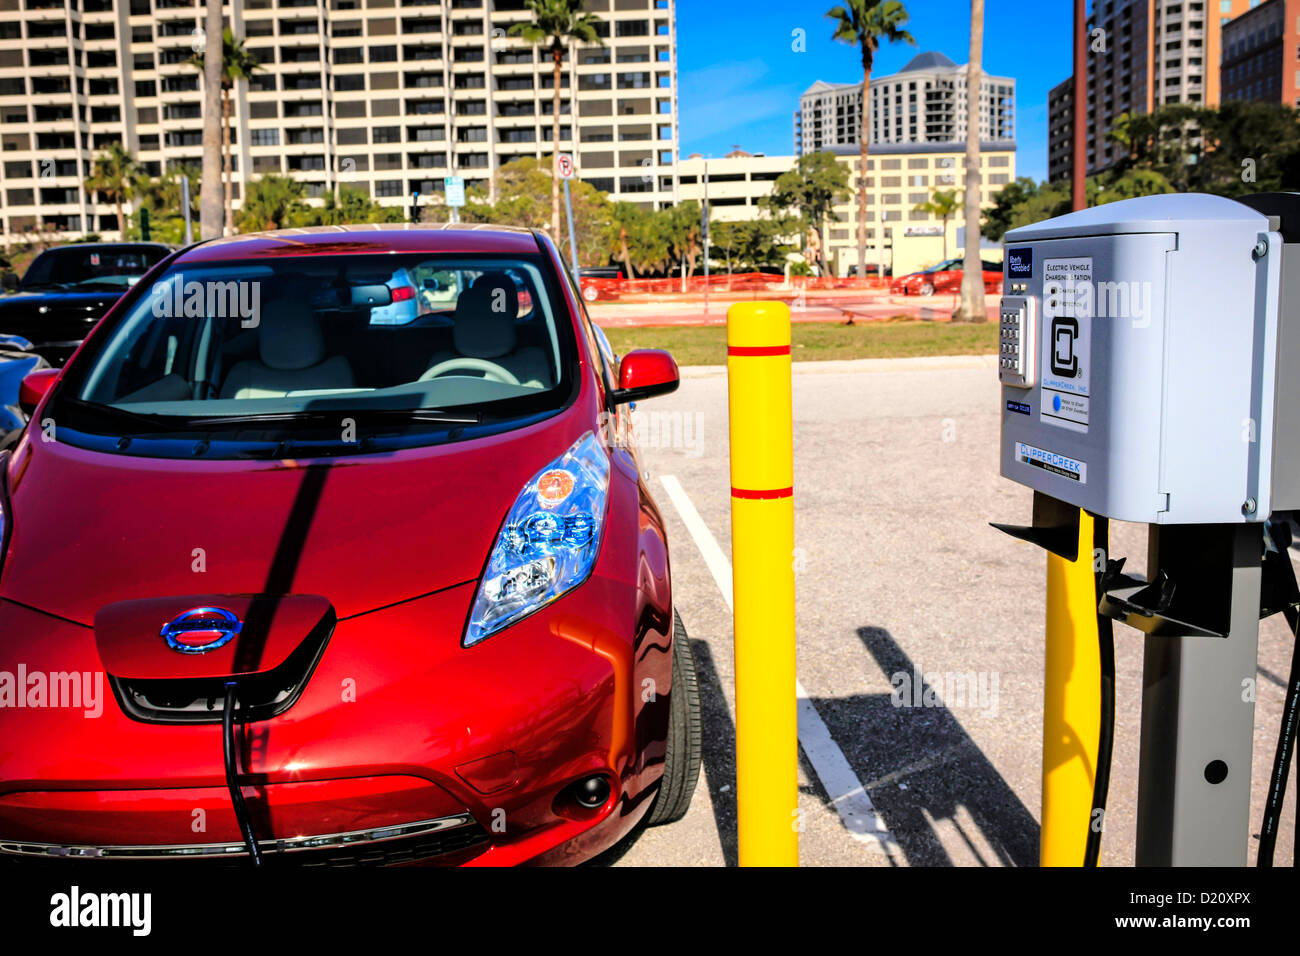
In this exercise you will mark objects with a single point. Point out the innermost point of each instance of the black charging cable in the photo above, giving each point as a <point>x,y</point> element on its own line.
<point>232,775</point>
<point>1106,730</point>
<point>1286,737</point>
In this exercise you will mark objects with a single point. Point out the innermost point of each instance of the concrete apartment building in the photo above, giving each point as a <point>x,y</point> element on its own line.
<point>737,182</point>
<point>900,176</point>
<point>389,96</point>
<point>924,102</point>
<point>1261,54</point>
<point>1142,54</point>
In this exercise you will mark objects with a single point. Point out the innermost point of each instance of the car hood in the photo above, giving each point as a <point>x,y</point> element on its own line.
<point>91,529</point>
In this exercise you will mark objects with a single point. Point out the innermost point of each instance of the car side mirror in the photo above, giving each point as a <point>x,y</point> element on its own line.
<point>34,387</point>
<point>645,373</point>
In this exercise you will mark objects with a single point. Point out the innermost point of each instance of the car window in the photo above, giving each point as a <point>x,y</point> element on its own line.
<point>219,341</point>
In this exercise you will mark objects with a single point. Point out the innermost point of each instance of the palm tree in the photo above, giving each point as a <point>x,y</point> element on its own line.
<point>865,23</point>
<point>114,175</point>
<point>210,182</point>
<point>942,203</point>
<point>972,307</point>
<point>236,64</point>
<point>558,23</point>
<point>273,202</point>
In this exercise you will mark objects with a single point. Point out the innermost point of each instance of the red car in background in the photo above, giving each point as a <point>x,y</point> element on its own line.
<point>944,278</point>
<point>307,588</point>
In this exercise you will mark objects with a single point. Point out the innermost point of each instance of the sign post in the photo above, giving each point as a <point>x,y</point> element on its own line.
<point>565,168</point>
<point>454,190</point>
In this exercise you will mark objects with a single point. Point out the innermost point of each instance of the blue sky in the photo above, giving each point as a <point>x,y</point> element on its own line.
<point>740,79</point>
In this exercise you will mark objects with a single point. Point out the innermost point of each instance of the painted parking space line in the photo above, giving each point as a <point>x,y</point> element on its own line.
<point>837,777</point>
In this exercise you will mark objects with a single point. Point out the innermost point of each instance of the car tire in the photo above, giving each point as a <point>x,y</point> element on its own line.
<point>685,735</point>
<point>927,289</point>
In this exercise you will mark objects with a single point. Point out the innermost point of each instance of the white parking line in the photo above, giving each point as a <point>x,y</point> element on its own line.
<point>846,792</point>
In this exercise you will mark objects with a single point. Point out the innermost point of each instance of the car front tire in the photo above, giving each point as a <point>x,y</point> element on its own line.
<point>685,735</point>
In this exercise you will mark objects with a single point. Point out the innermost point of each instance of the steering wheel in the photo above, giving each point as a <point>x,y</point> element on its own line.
<point>491,370</point>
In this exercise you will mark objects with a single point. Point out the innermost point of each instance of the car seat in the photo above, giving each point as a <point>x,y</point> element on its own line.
<point>291,357</point>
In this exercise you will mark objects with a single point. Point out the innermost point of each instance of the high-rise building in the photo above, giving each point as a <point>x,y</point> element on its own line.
<point>389,96</point>
<point>924,102</point>
<point>1256,65</point>
<point>1141,55</point>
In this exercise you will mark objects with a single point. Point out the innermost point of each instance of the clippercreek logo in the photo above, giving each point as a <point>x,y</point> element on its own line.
<point>75,908</point>
<point>237,298</point>
<point>79,690</point>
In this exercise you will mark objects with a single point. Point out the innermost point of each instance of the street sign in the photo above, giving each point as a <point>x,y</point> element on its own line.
<point>455,190</point>
<point>564,166</point>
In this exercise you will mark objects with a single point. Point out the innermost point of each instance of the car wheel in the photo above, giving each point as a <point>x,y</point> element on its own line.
<point>685,735</point>
<point>927,289</point>
<point>589,293</point>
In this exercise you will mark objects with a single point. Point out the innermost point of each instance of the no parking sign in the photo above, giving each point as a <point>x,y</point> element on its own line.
<point>564,166</point>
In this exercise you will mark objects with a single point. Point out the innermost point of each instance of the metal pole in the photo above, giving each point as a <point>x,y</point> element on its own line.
<point>1198,720</point>
<point>1080,171</point>
<point>762,540</point>
<point>185,205</point>
<point>573,236</point>
<point>704,227</point>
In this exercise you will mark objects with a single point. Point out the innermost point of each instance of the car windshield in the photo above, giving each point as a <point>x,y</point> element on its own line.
<point>310,343</point>
<point>99,267</point>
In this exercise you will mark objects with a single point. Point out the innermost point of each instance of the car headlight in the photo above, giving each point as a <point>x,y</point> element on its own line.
<point>548,542</point>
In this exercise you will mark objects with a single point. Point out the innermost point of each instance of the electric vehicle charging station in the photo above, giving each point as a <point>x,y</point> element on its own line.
<point>1145,349</point>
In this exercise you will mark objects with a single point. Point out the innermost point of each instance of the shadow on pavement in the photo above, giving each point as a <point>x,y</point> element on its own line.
<point>924,772</point>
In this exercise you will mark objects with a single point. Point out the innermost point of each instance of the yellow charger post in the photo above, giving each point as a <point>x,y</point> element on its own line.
<point>762,548</point>
<point>1071,703</point>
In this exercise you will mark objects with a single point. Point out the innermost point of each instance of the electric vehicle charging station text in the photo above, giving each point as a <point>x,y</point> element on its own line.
<point>1144,346</point>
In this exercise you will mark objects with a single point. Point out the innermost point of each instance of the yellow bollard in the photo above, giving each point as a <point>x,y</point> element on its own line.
<point>1071,703</point>
<point>762,553</point>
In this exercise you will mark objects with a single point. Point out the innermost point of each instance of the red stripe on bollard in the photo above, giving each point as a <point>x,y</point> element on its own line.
<point>758,350</point>
<point>763,493</point>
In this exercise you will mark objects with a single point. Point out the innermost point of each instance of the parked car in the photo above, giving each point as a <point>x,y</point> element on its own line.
<point>67,289</point>
<point>872,269</point>
<point>596,279</point>
<point>945,278</point>
<point>436,619</point>
<point>16,361</point>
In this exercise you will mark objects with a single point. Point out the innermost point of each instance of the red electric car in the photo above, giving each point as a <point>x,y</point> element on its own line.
<point>283,580</point>
<point>945,277</point>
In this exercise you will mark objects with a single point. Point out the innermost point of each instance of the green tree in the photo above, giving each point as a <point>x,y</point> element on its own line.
<point>749,245</point>
<point>521,187</point>
<point>162,197</point>
<point>864,24</point>
<point>237,63</point>
<point>942,203</point>
<point>273,202</point>
<point>113,175</point>
<point>812,188</point>
<point>557,24</point>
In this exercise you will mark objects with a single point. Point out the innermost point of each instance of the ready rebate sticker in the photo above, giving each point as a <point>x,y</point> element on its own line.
<point>554,486</point>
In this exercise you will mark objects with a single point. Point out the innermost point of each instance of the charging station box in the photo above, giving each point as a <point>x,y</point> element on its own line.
<point>1144,360</point>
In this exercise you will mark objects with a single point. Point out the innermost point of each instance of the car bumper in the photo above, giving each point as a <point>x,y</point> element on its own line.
<point>399,726</point>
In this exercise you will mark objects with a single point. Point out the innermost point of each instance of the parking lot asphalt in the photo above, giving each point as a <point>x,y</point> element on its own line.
<point>898,572</point>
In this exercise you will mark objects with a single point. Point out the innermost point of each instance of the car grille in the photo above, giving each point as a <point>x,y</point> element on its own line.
<point>446,839</point>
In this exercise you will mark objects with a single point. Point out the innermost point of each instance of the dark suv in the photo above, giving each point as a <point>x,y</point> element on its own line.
<point>66,290</point>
